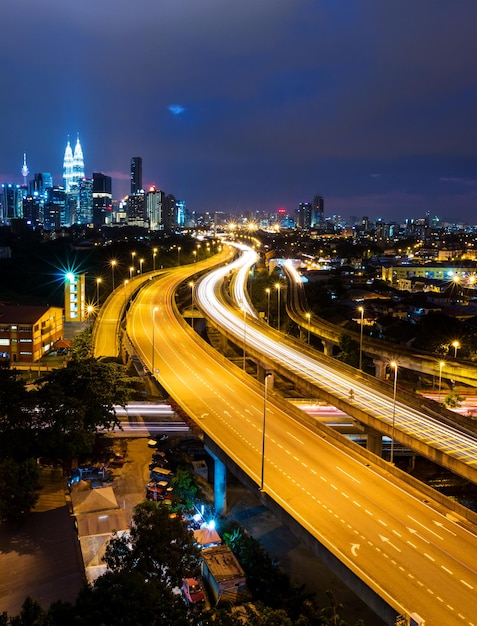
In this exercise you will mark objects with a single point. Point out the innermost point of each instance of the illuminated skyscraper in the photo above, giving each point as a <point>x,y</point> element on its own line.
<point>136,175</point>
<point>73,166</point>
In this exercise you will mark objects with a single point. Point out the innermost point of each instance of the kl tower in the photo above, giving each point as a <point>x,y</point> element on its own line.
<point>25,171</point>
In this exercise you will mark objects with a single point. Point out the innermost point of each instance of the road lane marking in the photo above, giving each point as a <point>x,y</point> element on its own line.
<point>426,527</point>
<point>348,475</point>
<point>296,438</point>
<point>466,584</point>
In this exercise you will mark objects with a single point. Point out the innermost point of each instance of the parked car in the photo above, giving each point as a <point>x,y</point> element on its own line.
<point>192,591</point>
<point>161,473</point>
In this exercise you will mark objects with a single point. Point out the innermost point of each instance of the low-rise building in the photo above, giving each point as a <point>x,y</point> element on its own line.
<point>28,332</point>
<point>223,574</point>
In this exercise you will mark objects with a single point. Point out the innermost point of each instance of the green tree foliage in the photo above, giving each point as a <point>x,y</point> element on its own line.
<point>453,400</point>
<point>159,546</point>
<point>19,486</point>
<point>186,492</point>
<point>82,344</point>
<point>349,350</point>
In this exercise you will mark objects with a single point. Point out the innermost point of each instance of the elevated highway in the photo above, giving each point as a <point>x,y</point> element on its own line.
<point>426,427</point>
<point>406,553</point>
<point>381,352</point>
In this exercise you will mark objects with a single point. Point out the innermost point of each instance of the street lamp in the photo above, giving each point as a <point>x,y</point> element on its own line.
<point>194,252</point>
<point>141,261</point>
<point>131,270</point>
<point>394,365</point>
<point>113,265</point>
<point>277,287</point>
<point>456,345</point>
<point>178,255</point>
<point>244,334</point>
<point>133,254</point>
<point>267,291</point>
<point>98,282</point>
<point>154,253</point>
<point>361,310</point>
<point>441,365</point>
<point>308,317</point>
<point>191,285</point>
<point>265,392</point>
<point>156,308</point>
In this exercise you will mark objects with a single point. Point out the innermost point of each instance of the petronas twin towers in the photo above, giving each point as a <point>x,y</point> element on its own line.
<point>73,166</point>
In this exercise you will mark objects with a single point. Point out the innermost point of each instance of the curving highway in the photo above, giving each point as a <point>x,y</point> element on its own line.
<point>445,438</point>
<point>414,556</point>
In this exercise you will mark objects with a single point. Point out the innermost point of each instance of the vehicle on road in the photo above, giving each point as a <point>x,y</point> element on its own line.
<point>192,591</point>
<point>161,473</point>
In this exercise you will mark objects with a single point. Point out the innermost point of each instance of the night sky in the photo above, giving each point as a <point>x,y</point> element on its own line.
<point>251,105</point>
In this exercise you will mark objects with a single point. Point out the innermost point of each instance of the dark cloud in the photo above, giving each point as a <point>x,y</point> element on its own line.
<point>279,100</point>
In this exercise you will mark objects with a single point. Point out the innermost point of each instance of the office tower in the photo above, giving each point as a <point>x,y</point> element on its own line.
<point>102,199</point>
<point>318,217</point>
<point>68,167</point>
<point>40,183</point>
<point>136,175</point>
<point>12,201</point>
<point>180,212</point>
<point>303,215</point>
<point>33,209</point>
<point>84,211</point>
<point>169,213</point>
<point>154,206</point>
<point>54,208</point>
<point>73,166</point>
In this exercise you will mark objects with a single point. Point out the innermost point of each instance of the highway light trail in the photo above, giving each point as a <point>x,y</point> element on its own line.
<point>446,438</point>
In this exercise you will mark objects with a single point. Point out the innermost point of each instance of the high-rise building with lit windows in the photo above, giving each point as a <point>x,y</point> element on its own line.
<point>136,175</point>
<point>73,166</point>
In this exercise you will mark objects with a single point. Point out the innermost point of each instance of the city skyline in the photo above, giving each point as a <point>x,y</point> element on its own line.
<point>246,107</point>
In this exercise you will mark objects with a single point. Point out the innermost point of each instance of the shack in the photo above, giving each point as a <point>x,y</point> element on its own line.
<point>223,575</point>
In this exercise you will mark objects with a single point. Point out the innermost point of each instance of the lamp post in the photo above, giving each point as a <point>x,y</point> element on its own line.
<point>156,308</point>
<point>113,265</point>
<point>441,365</point>
<point>277,287</point>
<point>131,270</point>
<point>267,291</point>
<point>98,282</point>
<point>191,285</point>
<point>141,261</point>
<point>456,346</point>
<point>126,282</point>
<point>133,254</point>
<point>394,365</point>
<point>178,255</point>
<point>194,252</point>
<point>308,317</point>
<point>361,310</point>
<point>154,253</point>
<point>265,392</point>
<point>244,335</point>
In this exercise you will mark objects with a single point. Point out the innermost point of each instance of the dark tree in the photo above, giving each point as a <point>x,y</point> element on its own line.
<point>160,546</point>
<point>19,486</point>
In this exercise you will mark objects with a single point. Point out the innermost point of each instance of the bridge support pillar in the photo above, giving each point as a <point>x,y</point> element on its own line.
<point>265,371</point>
<point>374,441</point>
<point>328,347</point>
<point>380,368</point>
<point>220,485</point>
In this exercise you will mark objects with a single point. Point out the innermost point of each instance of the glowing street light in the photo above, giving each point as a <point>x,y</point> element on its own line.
<point>267,291</point>
<point>141,262</point>
<point>194,252</point>
<point>456,345</point>
<point>441,365</point>
<point>133,254</point>
<point>156,308</point>
<point>361,310</point>
<point>154,254</point>
<point>394,365</point>
<point>98,282</point>
<point>308,318</point>
<point>131,270</point>
<point>113,265</point>
<point>179,255</point>
<point>277,287</point>
<point>265,392</point>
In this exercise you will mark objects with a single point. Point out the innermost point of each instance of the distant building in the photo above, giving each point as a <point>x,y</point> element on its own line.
<point>223,574</point>
<point>84,211</point>
<point>303,215</point>
<point>318,211</point>
<point>54,208</point>
<point>73,165</point>
<point>28,332</point>
<point>75,297</point>
<point>12,201</point>
<point>154,208</point>
<point>136,175</point>
<point>102,199</point>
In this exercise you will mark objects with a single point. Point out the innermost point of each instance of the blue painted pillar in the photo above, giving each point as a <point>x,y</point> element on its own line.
<point>220,485</point>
